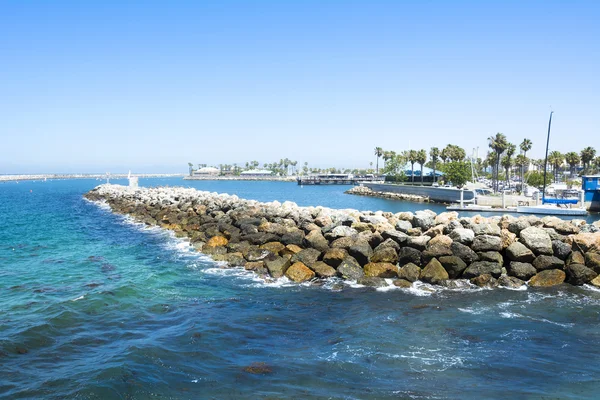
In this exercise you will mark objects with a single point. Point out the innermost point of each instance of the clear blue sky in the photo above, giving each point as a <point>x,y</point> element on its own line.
<point>114,85</point>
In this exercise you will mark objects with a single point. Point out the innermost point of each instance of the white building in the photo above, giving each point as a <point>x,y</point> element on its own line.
<point>206,171</point>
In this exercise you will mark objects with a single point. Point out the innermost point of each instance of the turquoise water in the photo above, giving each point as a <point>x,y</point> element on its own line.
<point>97,307</point>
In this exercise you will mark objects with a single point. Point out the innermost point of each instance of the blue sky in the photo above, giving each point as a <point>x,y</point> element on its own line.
<point>113,86</point>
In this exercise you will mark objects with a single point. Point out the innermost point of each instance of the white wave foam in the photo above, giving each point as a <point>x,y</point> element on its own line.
<point>79,298</point>
<point>508,314</point>
<point>474,311</point>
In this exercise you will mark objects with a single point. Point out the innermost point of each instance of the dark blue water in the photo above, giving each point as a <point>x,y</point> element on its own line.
<point>96,307</point>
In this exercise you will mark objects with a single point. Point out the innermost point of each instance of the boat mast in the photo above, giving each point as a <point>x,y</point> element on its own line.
<point>546,159</point>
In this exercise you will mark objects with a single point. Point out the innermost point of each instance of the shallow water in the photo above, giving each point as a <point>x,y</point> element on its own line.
<point>96,306</point>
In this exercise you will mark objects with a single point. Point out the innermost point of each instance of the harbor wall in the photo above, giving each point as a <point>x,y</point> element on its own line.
<point>310,244</point>
<point>437,194</point>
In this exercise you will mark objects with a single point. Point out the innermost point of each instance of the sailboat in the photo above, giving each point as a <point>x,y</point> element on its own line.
<point>552,206</point>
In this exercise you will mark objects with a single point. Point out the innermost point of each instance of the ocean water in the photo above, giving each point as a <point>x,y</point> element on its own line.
<point>94,306</point>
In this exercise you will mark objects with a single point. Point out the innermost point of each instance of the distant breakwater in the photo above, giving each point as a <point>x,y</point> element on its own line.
<point>365,191</point>
<point>372,248</point>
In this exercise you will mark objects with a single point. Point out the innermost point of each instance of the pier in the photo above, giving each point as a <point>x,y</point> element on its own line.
<point>338,179</point>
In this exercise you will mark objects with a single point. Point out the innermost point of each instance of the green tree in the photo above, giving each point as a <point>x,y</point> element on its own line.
<point>378,153</point>
<point>556,159</point>
<point>521,161</point>
<point>534,178</point>
<point>457,172</point>
<point>573,160</point>
<point>587,155</point>
<point>507,160</point>
<point>498,144</point>
<point>412,159</point>
<point>434,155</point>
<point>421,160</point>
<point>191,167</point>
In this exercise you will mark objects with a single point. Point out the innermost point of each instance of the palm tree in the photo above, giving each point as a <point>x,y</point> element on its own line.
<point>421,160</point>
<point>498,143</point>
<point>378,153</point>
<point>387,155</point>
<point>587,155</point>
<point>573,160</point>
<point>412,158</point>
<point>556,159</point>
<point>525,146</point>
<point>521,161</point>
<point>510,151</point>
<point>434,154</point>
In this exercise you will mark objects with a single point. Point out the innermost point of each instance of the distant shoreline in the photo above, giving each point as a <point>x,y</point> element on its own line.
<point>241,178</point>
<point>37,177</point>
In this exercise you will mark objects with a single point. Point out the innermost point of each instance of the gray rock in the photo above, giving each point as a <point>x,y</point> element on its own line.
<point>410,272</point>
<point>316,240</point>
<point>403,226</point>
<point>486,229</point>
<point>482,267</point>
<point>350,269</point>
<point>307,257</point>
<point>578,274</point>
<point>386,254</point>
<point>592,260</point>
<point>544,262</point>
<point>537,240</point>
<point>576,257</point>
<point>434,272</point>
<point>519,252</point>
<point>361,251</point>
<point>510,282</point>
<point>278,267</point>
<point>372,281</point>
<point>259,255</point>
<point>343,242</point>
<point>561,249</point>
<point>388,243</point>
<point>523,271</point>
<point>343,231</point>
<point>484,280</point>
<point>464,253</point>
<point>397,236</point>
<point>487,243</point>
<point>409,255</point>
<point>518,225</point>
<point>402,283</point>
<point>423,220</point>
<point>462,235</point>
<point>492,256</point>
<point>454,265</point>
<point>418,242</point>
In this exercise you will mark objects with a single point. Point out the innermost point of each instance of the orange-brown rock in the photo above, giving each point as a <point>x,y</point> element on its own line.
<point>216,241</point>
<point>549,277</point>
<point>381,270</point>
<point>299,272</point>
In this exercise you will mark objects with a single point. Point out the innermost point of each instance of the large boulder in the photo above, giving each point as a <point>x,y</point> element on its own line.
<point>418,242</point>
<point>361,251</point>
<point>578,274</point>
<point>409,255</point>
<point>518,225</point>
<point>434,272</point>
<point>549,277</point>
<point>341,231</point>
<point>410,272</point>
<point>566,228</point>
<point>544,262</point>
<point>396,236</point>
<point>403,226</point>
<point>307,257</point>
<point>424,219</point>
<point>453,265</point>
<point>464,253</point>
<point>484,281</point>
<point>462,235</point>
<point>381,270</point>
<point>487,243</point>
<point>486,229</point>
<point>372,281</point>
<point>384,255</point>
<point>343,242</point>
<point>492,256</point>
<point>521,270</point>
<point>576,257</point>
<point>298,272</point>
<point>350,269</point>
<point>561,249</point>
<point>507,238</point>
<point>255,254</point>
<point>592,260</point>
<point>323,270</point>
<point>437,247</point>
<point>316,240</point>
<point>334,257</point>
<point>510,282</point>
<point>519,252</point>
<point>273,247</point>
<point>388,243</point>
<point>482,267</point>
<point>278,267</point>
<point>537,240</point>
<point>293,236</point>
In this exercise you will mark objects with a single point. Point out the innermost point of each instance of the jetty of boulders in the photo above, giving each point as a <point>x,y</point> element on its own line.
<point>371,248</point>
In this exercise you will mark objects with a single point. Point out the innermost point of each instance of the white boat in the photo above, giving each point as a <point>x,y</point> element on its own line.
<point>551,209</point>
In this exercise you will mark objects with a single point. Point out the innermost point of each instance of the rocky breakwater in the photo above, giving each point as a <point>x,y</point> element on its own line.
<point>365,191</point>
<point>371,248</point>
